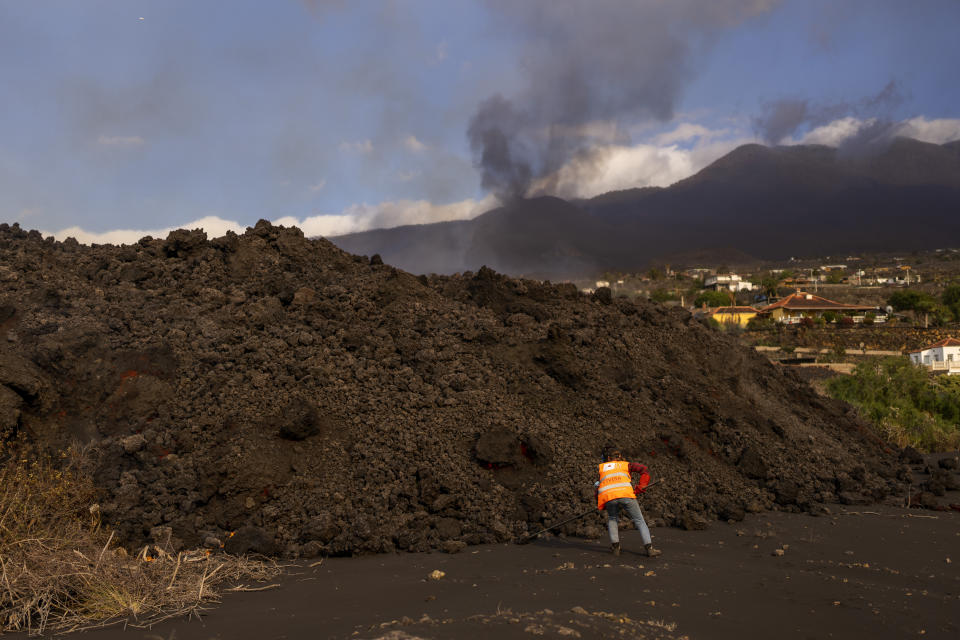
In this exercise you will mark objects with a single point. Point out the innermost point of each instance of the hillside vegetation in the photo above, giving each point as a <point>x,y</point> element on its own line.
<point>904,403</point>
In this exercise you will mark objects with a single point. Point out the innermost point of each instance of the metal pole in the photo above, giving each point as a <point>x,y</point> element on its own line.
<point>531,536</point>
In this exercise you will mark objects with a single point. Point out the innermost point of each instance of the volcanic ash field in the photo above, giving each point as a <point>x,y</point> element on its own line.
<point>309,401</point>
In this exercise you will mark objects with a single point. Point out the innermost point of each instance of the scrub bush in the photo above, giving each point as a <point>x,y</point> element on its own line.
<point>60,569</point>
<point>905,404</point>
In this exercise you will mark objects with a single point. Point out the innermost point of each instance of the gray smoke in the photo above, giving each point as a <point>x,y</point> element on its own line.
<point>589,62</point>
<point>873,136</point>
<point>495,134</point>
<point>781,119</point>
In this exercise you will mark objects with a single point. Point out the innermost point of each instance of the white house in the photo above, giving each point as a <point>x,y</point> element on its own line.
<point>730,282</point>
<point>939,356</point>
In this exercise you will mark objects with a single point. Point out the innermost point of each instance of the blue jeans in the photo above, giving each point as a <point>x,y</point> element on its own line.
<point>629,505</point>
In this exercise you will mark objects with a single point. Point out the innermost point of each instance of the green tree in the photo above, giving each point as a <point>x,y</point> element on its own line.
<point>662,295</point>
<point>918,302</point>
<point>835,276</point>
<point>951,300</point>
<point>713,299</point>
<point>769,284</point>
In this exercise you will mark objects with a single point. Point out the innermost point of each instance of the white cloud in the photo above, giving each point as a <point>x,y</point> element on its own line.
<point>414,145</point>
<point>322,225</point>
<point>120,141</point>
<point>320,184</point>
<point>213,225</point>
<point>834,133</point>
<point>615,167</point>
<point>359,146</point>
<point>360,217</point>
<point>936,131</point>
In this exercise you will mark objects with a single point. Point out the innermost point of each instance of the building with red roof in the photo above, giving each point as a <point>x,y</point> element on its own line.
<point>799,305</point>
<point>942,356</point>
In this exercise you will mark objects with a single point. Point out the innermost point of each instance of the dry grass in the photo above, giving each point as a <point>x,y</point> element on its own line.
<point>61,570</point>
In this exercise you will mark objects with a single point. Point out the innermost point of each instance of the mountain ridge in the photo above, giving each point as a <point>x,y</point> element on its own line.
<point>767,202</point>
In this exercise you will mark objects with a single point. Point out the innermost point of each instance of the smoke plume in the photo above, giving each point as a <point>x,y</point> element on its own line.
<point>781,119</point>
<point>589,62</point>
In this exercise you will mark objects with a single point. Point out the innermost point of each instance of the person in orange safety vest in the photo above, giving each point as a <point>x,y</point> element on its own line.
<point>615,493</point>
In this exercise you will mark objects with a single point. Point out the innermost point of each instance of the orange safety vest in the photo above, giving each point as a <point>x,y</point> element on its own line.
<point>614,482</point>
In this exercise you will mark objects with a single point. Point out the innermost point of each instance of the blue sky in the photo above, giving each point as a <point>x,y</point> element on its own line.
<point>126,117</point>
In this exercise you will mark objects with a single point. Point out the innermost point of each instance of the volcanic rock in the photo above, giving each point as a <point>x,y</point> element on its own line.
<point>311,401</point>
<point>910,455</point>
<point>947,463</point>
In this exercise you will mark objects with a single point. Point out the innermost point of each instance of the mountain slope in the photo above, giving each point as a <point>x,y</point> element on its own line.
<point>768,202</point>
<point>539,236</point>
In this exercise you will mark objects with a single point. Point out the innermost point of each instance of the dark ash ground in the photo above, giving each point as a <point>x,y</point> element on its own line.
<point>866,572</point>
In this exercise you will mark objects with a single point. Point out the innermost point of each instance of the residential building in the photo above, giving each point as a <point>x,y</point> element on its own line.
<point>729,281</point>
<point>793,308</point>
<point>943,356</point>
<point>734,315</point>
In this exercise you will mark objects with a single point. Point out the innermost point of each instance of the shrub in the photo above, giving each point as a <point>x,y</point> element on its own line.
<point>951,300</point>
<point>713,299</point>
<point>903,403</point>
<point>732,328</point>
<point>60,569</point>
<point>662,295</point>
<point>712,323</point>
<point>756,323</point>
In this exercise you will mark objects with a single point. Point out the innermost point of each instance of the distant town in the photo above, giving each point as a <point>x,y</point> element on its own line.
<point>803,303</point>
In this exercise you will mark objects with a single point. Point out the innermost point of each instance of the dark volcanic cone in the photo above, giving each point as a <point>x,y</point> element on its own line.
<point>315,402</point>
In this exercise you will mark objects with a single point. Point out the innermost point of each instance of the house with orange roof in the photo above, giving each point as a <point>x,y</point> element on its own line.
<point>942,356</point>
<point>797,306</point>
